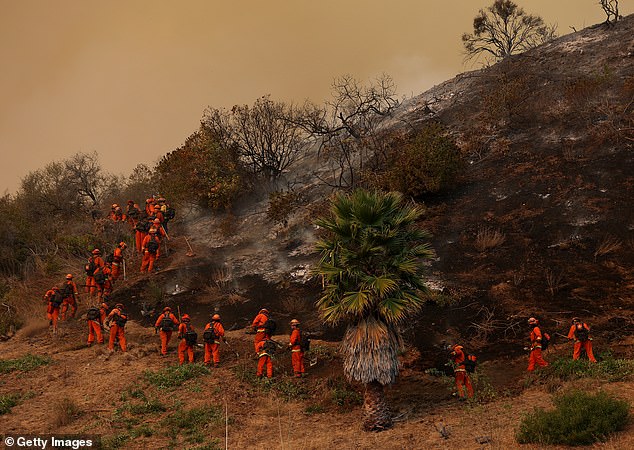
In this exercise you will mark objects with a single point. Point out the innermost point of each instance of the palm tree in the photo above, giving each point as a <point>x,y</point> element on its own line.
<point>371,263</point>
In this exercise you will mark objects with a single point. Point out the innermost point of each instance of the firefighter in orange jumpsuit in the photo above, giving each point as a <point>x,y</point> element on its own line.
<point>116,213</point>
<point>149,206</point>
<point>535,357</point>
<point>151,250</point>
<point>297,352</point>
<point>116,320</point>
<point>165,324</point>
<point>212,340</point>
<point>94,317</point>
<point>132,213</point>
<point>70,294</point>
<point>263,349</point>
<point>140,232</point>
<point>158,214</point>
<point>460,372</point>
<point>117,262</point>
<point>160,230</point>
<point>102,280</point>
<point>95,262</point>
<point>185,345</point>
<point>54,299</point>
<point>580,333</point>
<point>258,327</point>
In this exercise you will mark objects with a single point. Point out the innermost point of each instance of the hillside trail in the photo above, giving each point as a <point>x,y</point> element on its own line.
<point>95,381</point>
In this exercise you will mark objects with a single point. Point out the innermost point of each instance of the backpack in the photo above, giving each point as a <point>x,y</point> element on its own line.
<point>134,213</point>
<point>269,347</point>
<point>581,334</point>
<point>304,342</point>
<point>90,267</point>
<point>57,298</point>
<point>67,291</point>
<point>143,226</point>
<point>169,213</point>
<point>209,336</point>
<point>92,313</point>
<point>110,258</point>
<point>167,324</point>
<point>190,336</point>
<point>120,320</point>
<point>545,340</point>
<point>152,246</point>
<point>470,362</point>
<point>270,326</point>
<point>100,277</point>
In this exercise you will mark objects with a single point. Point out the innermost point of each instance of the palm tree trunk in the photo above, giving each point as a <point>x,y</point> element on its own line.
<point>377,414</point>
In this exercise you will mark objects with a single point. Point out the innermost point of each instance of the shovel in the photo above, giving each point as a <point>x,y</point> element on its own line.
<point>191,250</point>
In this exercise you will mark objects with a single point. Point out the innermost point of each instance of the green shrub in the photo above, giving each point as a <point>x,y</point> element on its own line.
<point>579,418</point>
<point>425,164</point>
<point>7,402</point>
<point>25,363</point>
<point>172,376</point>
<point>608,368</point>
<point>194,423</point>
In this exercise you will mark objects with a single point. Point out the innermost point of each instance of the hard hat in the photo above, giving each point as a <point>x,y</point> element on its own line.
<point>96,251</point>
<point>123,244</point>
<point>157,221</point>
<point>294,322</point>
<point>149,200</point>
<point>186,317</point>
<point>130,202</point>
<point>69,276</point>
<point>576,319</point>
<point>161,200</point>
<point>166,309</point>
<point>533,321</point>
<point>264,311</point>
<point>215,317</point>
<point>119,305</point>
<point>114,205</point>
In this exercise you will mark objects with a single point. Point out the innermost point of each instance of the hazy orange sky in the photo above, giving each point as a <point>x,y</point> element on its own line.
<point>130,79</point>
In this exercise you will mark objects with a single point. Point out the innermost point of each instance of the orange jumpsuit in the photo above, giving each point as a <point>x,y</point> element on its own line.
<point>462,377</point>
<point>116,328</point>
<point>149,206</point>
<point>264,360</point>
<point>212,349</point>
<point>139,236</point>
<point>260,333</point>
<point>116,215</point>
<point>183,347</point>
<point>52,309</point>
<point>297,355</point>
<point>91,284</point>
<point>586,345</point>
<point>94,328</point>
<point>535,357</point>
<point>117,263</point>
<point>106,287</point>
<point>166,334</point>
<point>147,264</point>
<point>133,214</point>
<point>70,300</point>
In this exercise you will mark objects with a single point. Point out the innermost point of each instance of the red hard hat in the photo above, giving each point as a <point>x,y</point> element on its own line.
<point>96,251</point>
<point>294,322</point>
<point>69,276</point>
<point>157,221</point>
<point>186,317</point>
<point>264,311</point>
<point>215,317</point>
<point>119,306</point>
<point>533,321</point>
<point>167,308</point>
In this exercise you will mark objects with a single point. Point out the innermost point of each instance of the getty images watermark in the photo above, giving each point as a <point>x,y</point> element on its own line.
<point>34,441</point>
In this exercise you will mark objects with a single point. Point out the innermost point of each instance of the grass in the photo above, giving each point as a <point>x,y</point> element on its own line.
<point>66,410</point>
<point>607,368</point>
<point>342,394</point>
<point>7,402</point>
<point>173,376</point>
<point>287,388</point>
<point>487,238</point>
<point>193,422</point>
<point>25,363</point>
<point>579,418</point>
<point>115,441</point>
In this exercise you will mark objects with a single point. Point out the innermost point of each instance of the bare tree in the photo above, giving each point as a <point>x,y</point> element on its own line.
<point>84,176</point>
<point>504,29</point>
<point>611,10</point>
<point>349,124</point>
<point>268,138</point>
